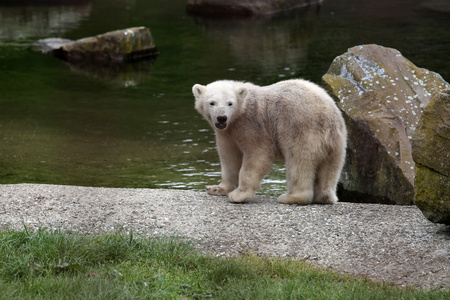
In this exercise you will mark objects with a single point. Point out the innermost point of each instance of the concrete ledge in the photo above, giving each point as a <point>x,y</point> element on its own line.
<point>383,242</point>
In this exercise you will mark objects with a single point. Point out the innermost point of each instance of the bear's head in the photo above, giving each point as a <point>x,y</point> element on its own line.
<point>219,102</point>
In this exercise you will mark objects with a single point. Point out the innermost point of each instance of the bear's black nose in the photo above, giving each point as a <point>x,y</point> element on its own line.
<point>222,119</point>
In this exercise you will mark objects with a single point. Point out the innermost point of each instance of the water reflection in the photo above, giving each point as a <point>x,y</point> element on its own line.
<point>123,74</point>
<point>197,174</point>
<point>270,44</point>
<point>28,19</point>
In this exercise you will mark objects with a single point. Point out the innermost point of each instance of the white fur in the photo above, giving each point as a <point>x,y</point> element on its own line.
<point>295,121</point>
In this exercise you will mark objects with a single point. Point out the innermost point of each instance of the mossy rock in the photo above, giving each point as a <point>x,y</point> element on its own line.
<point>431,152</point>
<point>431,143</point>
<point>432,194</point>
<point>112,47</point>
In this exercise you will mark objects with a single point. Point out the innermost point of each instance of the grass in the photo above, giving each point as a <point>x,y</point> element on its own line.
<point>53,264</point>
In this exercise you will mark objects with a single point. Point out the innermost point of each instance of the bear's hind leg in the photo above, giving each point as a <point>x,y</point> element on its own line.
<point>326,181</point>
<point>300,181</point>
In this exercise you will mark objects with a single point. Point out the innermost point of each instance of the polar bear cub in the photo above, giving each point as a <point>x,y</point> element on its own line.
<point>294,121</point>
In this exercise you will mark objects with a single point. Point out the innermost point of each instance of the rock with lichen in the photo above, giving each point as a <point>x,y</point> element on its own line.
<point>111,47</point>
<point>382,95</point>
<point>431,152</point>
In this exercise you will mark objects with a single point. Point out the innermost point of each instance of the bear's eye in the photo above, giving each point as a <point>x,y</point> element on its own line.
<point>212,103</point>
<point>230,104</point>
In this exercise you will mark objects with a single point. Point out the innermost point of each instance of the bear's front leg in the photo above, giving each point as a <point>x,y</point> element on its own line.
<point>230,163</point>
<point>254,168</point>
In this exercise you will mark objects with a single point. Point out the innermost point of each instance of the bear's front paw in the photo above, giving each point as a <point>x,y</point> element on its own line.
<point>216,190</point>
<point>301,198</point>
<point>238,196</point>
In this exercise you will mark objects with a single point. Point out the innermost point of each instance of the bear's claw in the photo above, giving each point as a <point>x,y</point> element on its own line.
<point>216,190</point>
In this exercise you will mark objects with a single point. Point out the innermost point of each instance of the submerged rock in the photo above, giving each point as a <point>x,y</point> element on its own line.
<point>49,45</point>
<point>382,95</point>
<point>431,152</point>
<point>244,7</point>
<point>111,47</point>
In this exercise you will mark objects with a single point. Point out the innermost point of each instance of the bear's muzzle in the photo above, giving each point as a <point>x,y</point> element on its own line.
<point>221,122</point>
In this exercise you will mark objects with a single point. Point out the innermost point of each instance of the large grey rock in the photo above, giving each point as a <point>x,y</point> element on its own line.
<point>111,47</point>
<point>244,7</point>
<point>431,152</point>
<point>382,95</point>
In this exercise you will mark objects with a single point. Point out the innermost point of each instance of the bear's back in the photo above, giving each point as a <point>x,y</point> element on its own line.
<point>297,90</point>
<point>294,100</point>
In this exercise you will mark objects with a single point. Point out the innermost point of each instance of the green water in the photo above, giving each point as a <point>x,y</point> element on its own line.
<point>136,126</point>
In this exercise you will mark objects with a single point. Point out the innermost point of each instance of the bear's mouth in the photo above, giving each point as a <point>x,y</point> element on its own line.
<point>221,125</point>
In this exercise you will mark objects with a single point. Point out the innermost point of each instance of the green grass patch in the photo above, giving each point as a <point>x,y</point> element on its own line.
<point>53,264</point>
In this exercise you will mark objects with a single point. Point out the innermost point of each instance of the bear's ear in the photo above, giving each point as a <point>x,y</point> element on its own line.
<point>241,93</point>
<point>198,90</point>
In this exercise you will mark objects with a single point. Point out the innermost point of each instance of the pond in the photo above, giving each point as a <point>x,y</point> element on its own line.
<point>135,126</point>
